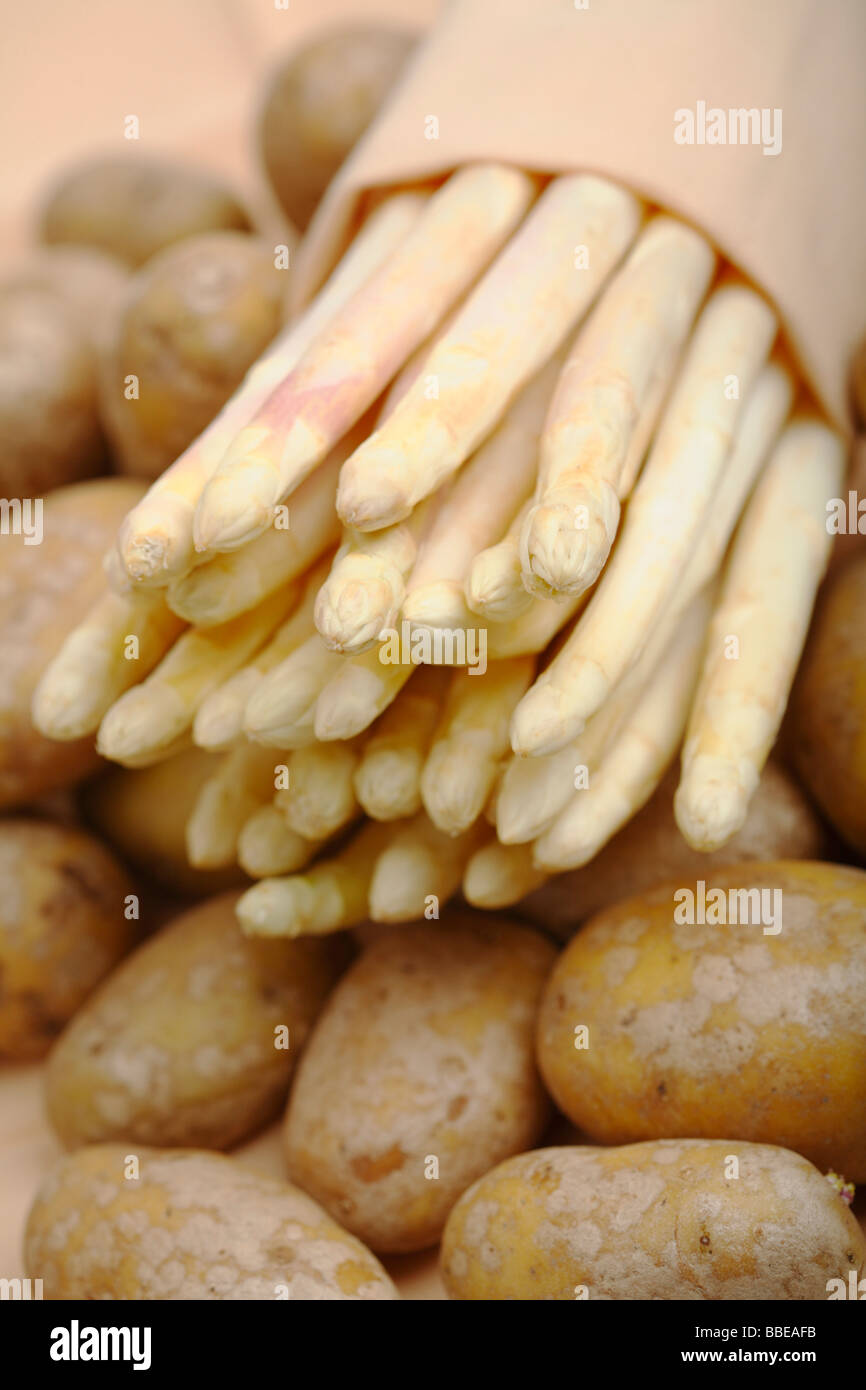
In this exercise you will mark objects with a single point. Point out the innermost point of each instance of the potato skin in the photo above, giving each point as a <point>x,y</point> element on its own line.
<point>143,813</point>
<point>132,206</point>
<point>826,726</point>
<point>424,1049</point>
<point>44,591</point>
<point>49,417</point>
<point>192,322</point>
<point>708,1030</point>
<point>192,1226</point>
<point>650,850</point>
<point>651,1221</point>
<point>318,105</point>
<point>90,282</point>
<point>62,928</point>
<point>178,1046</point>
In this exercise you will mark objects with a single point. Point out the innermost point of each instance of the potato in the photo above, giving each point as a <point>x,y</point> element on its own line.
<point>186,1042</point>
<point>317,106</point>
<point>45,589</point>
<point>49,418</point>
<point>187,1225</point>
<point>90,282</point>
<point>690,1219</point>
<point>422,1057</point>
<point>62,928</point>
<point>193,321</point>
<point>650,849</point>
<point>143,813</point>
<point>132,206</point>
<point>826,726</point>
<point>704,1030</point>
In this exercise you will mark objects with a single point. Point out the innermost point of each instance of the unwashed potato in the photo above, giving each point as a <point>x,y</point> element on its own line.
<point>650,849</point>
<point>193,1040</point>
<point>318,105</point>
<point>419,1077</point>
<point>143,813</point>
<point>193,321</point>
<point>756,1031</point>
<point>45,589</point>
<point>827,718</point>
<point>694,1219</point>
<point>187,1225</point>
<point>62,928</point>
<point>49,417</point>
<point>132,206</point>
<point>90,282</point>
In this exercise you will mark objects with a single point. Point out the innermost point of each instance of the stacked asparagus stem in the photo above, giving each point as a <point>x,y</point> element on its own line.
<point>539,418</point>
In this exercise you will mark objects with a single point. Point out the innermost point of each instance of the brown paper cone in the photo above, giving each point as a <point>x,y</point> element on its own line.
<point>554,87</point>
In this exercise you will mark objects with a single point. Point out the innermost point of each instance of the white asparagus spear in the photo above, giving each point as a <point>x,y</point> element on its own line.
<point>152,715</point>
<point>243,781</point>
<point>281,709</point>
<point>494,585</point>
<point>267,846</point>
<point>388,776</point>
<point>471,741</point>
<point>156,541</point>
<point>343,371</point>
<point>665,516</point>
<point>320,797</point>
<point>500,875</point>
<point>512,322</point>
<point>219,719</point>
<point>332,894</point>
<point>359,690</point>
<point>534,790</point>
<point>230,584</point>
<point>757,633</point>
<point>629,341</point>
<point>119,642</point>
<point>640,756</point>
<point>484,496</point>
<point>419,869</point>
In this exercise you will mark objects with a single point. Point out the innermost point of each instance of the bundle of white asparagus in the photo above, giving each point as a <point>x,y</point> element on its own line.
<point>521,504</point>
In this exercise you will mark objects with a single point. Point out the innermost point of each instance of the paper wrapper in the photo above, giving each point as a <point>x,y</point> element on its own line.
<point>555,88</point>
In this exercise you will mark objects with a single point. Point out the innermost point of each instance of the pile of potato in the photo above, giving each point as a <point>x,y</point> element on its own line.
<point>636,1109</point>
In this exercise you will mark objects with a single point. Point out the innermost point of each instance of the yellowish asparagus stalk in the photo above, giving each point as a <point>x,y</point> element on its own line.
<point>358,691</point>
<point>320,797</point>
<point>638,759</point>
<point>419,869</point>
<point>512,322</point>
<point>494,585</point>
<point>665,518</point>
<point>267,846</point>
<point>219,720</point>
<point>757,633</point>
<point>631,339</point>
<point>243,781</point>
<point>471,741</point>
<point>281,710</point>
<point>329,896</point>
<point>156,540</point>
<point>499,875</point>
<point>120,641</point>
<point>343,371</point>
<point>151,716</point>
<point>388,775</point>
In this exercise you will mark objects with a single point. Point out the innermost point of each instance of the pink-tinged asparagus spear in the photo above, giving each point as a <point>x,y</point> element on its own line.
<point>349,364</point>
<point>628,346</point>
<point>156,543</point>
<point>665,517</point>
<point>513,321</point>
